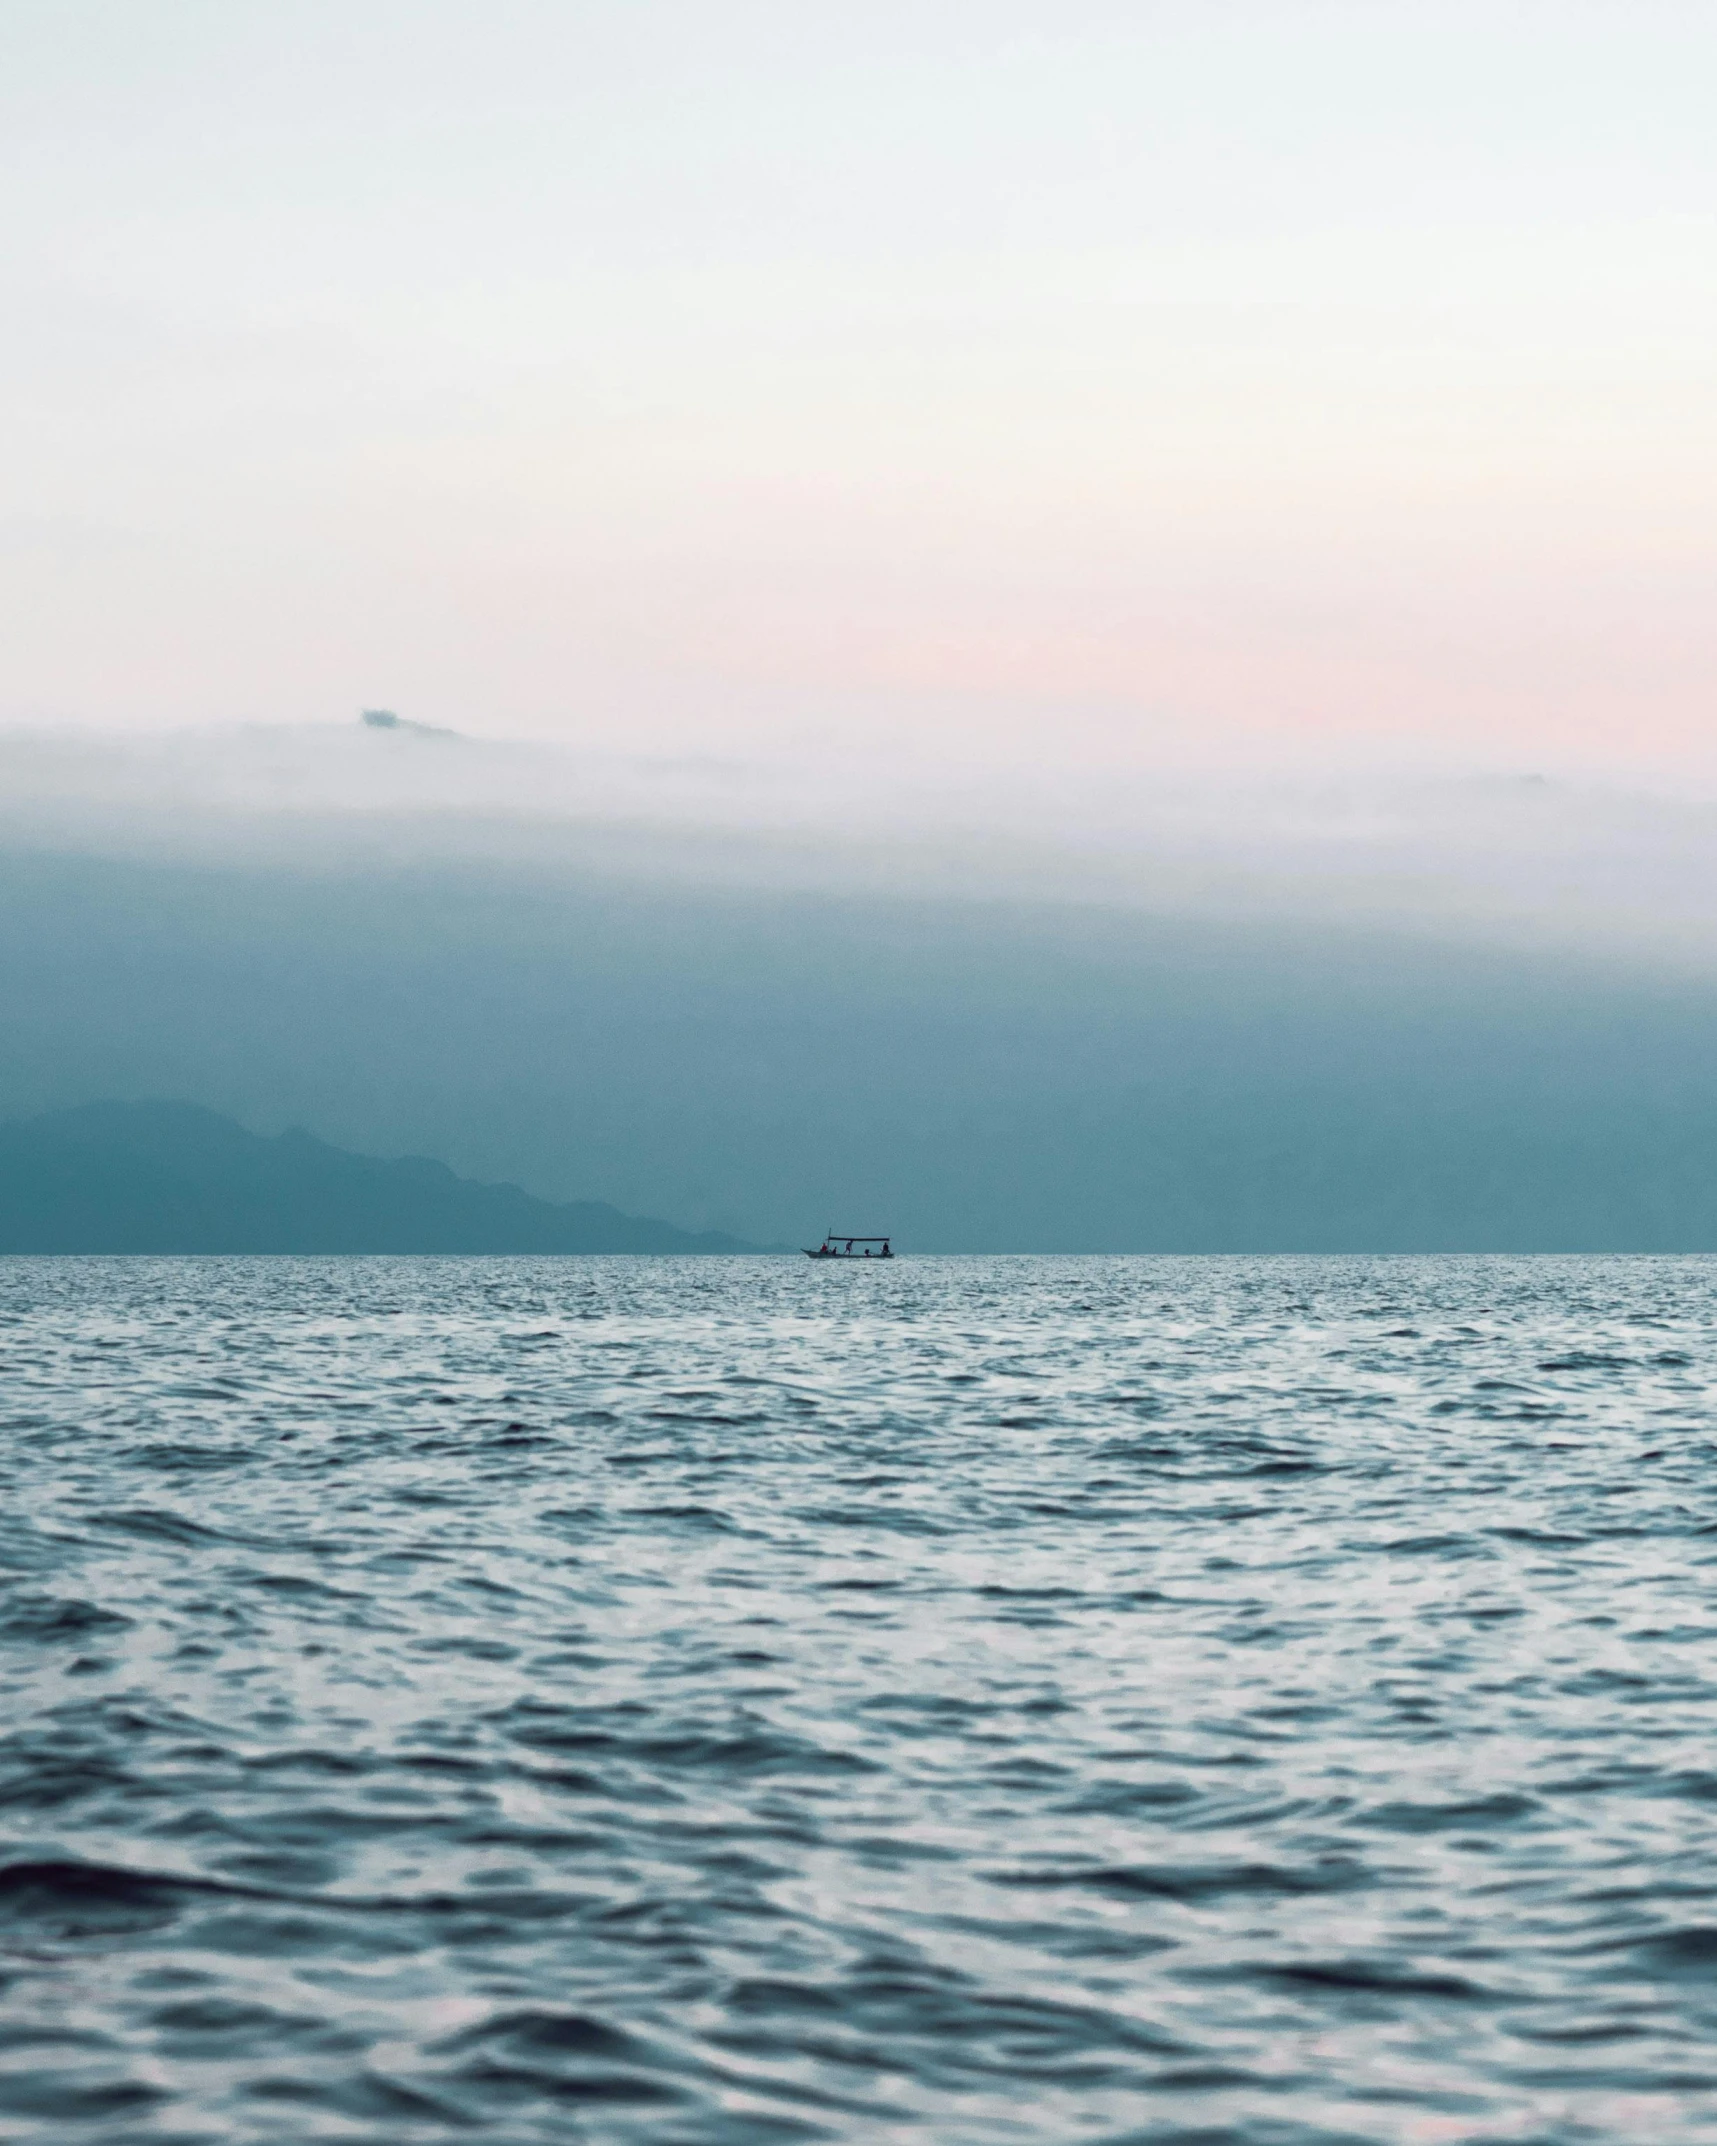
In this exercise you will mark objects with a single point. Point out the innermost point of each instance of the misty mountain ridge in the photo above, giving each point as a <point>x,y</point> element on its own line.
<point>167,1177</point>
<point>385,719</point>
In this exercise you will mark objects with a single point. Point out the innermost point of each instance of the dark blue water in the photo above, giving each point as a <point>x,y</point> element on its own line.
<point>972,1701</point>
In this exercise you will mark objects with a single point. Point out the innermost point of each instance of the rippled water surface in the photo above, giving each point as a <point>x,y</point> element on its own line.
<point>971,1700</point>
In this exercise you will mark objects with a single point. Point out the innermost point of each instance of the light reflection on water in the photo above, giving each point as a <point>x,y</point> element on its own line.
<point>968,1700</point>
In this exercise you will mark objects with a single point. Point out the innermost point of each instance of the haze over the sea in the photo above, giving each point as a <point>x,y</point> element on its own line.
<point>1066,630</point>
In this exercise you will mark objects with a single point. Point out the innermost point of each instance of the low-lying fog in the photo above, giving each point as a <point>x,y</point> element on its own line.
<point>1500,853</point>
<point>1099,1005</point>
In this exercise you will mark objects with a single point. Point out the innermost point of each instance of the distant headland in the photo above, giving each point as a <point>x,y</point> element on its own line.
<point>171,1177</point>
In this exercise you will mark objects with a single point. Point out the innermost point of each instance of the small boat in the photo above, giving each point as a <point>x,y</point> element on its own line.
<point>835,1246</point>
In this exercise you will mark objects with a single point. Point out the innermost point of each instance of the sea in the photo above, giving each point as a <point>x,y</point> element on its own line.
<point>983,1701</point>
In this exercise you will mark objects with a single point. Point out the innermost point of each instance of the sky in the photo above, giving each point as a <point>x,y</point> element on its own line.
<point>1080,628</point>
<point>1063,389</point>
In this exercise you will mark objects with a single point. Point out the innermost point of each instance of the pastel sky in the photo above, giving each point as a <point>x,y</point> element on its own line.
<point>1016,380</point>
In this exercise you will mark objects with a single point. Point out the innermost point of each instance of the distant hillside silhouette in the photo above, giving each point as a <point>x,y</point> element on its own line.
<point>170,1177</point>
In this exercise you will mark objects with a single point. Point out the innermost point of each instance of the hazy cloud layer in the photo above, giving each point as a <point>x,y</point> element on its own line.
<point>1367,839</point>
<point>1194,1017</point>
